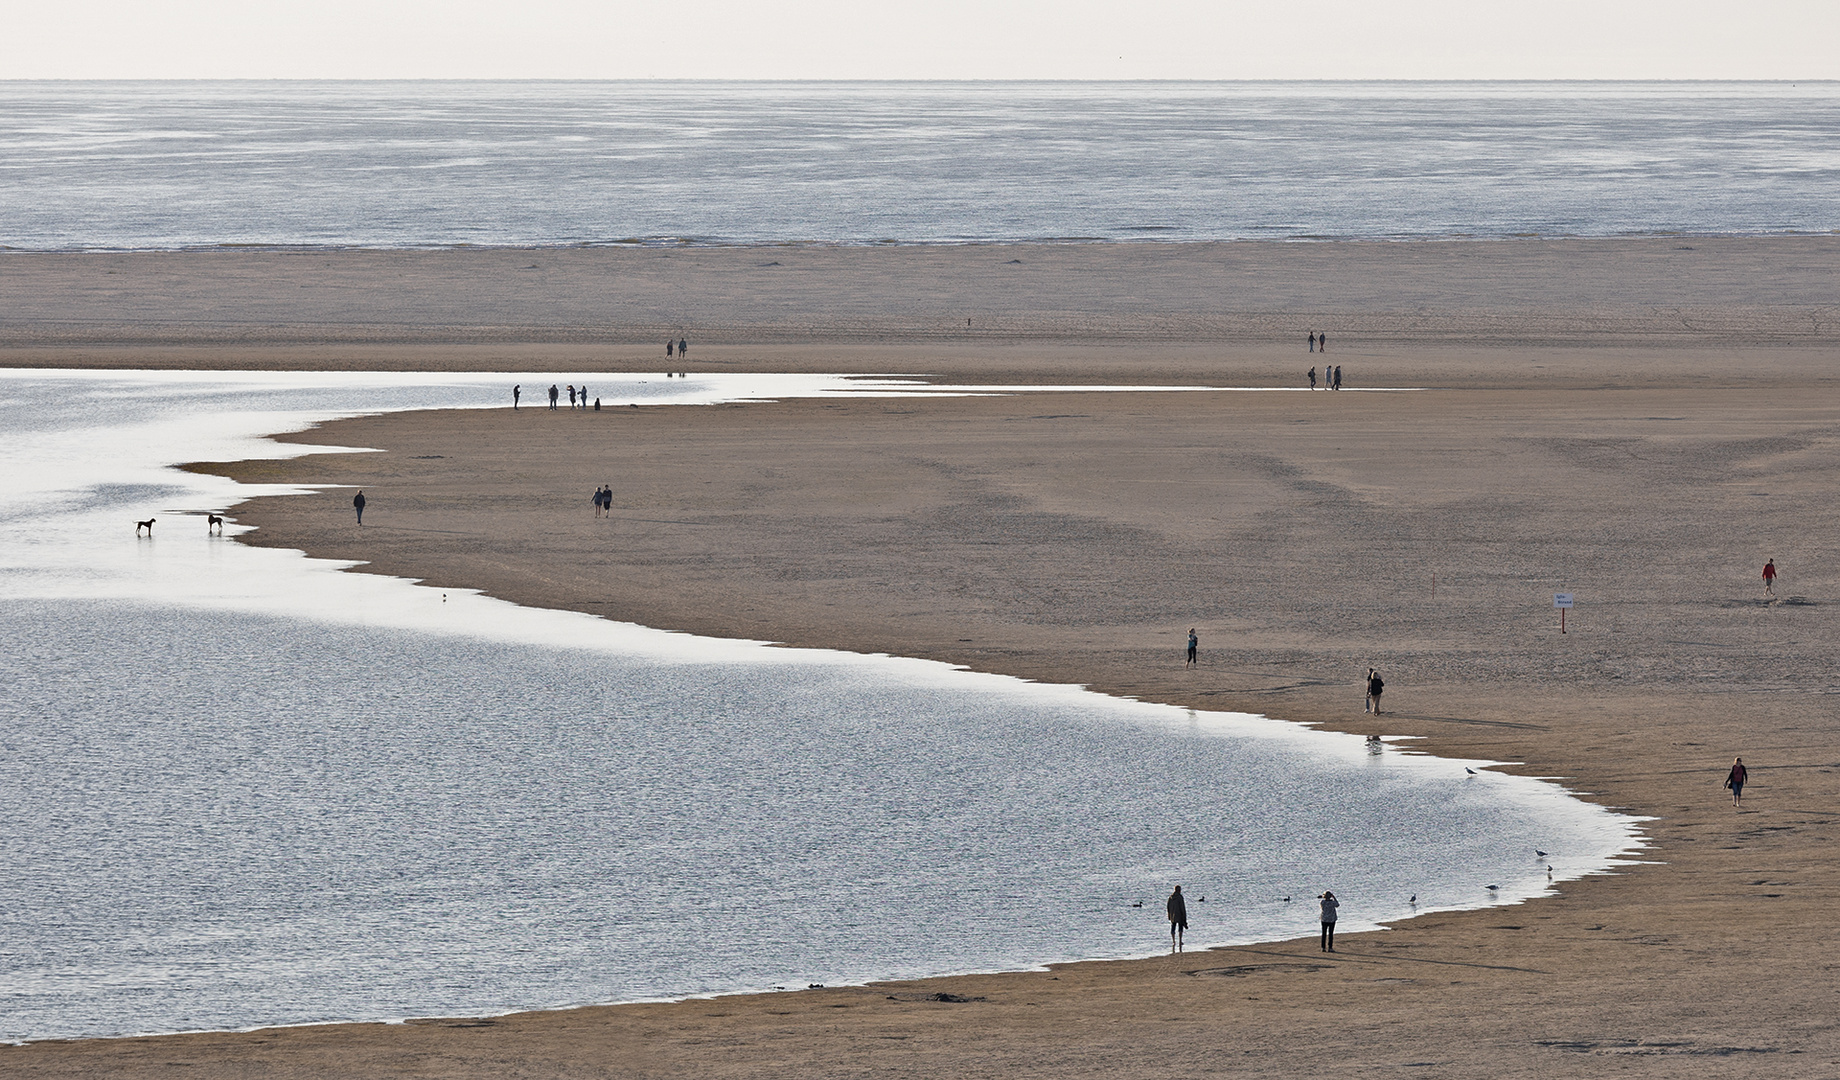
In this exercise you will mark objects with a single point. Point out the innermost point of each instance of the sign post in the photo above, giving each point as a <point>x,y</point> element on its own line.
<point>1562,601</point>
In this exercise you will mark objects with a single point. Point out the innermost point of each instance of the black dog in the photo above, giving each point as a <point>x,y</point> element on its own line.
<point>211,521</point>
<point>148,525</point>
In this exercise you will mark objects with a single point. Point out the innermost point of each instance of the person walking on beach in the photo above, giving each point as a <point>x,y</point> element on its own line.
<point>668,346</point>
<point>584,395</point>
<point>1329,904</point>
<point>1375,684</point>
<point>1312,341</point>
<point>357,503</point>
<point>1312,377</point>
<point>1194,644</point>
<point>1338,376</point>
<point>553,394</point>
<point>683,348</point>
<point>1322,342</point>
<point>1735,781</point>
<point>1769,578</point>
<point>514,397</point>
<point>1178,919</point>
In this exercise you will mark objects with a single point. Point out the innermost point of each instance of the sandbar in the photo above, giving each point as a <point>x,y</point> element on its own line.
<point>1647,466</point>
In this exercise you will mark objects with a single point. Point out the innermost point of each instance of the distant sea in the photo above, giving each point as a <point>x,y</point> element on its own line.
<point>159,165</point>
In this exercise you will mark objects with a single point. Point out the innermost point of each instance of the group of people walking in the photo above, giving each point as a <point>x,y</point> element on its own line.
<point>578,398</point>
<point>603,501</point>
<point>1332,377</point>
<point>682,346</point>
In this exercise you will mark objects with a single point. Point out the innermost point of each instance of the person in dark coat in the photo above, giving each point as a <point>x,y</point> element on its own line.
<point>1178,919</point>
<point>357,503</point>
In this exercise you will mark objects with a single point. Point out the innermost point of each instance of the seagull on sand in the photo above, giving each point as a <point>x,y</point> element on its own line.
<point>1540,853</point>
<point>1469,770</point>
<point>1491,888</point>
<point>1414,899</point>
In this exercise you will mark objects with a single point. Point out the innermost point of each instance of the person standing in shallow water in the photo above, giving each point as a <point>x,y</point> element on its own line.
<point>357,503</point>
<point>1194,646</point>
<point>1329,906</point>
<point>1735,781</point>
<point>1178,919</point>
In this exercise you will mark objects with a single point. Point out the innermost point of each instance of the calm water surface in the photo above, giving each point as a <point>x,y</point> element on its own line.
<point>417,164</point>
<point>240,787</point>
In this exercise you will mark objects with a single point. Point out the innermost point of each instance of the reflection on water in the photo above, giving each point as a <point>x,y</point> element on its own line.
<point>242,788</point>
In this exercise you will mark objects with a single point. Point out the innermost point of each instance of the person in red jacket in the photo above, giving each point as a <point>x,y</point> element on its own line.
<point>1769,578</point>
<point>1735,781</point>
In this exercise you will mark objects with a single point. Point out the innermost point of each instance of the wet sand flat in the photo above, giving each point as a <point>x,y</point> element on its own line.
<point>1077,537</point>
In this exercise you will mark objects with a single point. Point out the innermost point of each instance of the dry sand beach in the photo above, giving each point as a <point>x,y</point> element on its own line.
<point>1639,422</point>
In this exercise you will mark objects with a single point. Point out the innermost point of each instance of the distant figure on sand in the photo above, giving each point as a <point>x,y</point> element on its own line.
<point>515,391</point>
<point>1194,644</point>
<point>1312,341</point>
<point>1338,376</point>
<point>1322,342</point>
<point>1769,578</point>
<point>357,503</point>
<point>584,395</point>
<point>553,394</point>
<point>1329,905</point>
<point>1312,378</point>
<point>1375,684</point>
<point>599,494</point>
<point>1735,781</point>
<point>571,395</point>
<point>683,348</point>
<point>1178,918</point>
<point>668,347</point>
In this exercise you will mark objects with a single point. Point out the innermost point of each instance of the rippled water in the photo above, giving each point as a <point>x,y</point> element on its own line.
<point>240,787</point>
<point>159,165</point>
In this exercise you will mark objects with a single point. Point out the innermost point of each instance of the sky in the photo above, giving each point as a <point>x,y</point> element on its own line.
<point>937,39</point>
